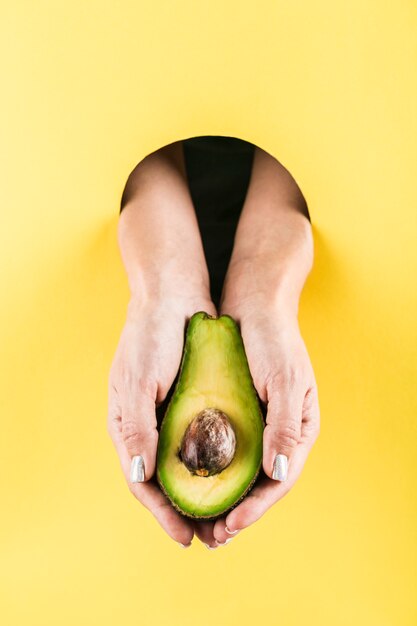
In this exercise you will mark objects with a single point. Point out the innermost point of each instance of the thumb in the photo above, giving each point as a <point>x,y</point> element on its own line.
<point>140,436</point>
<point>282,432</point>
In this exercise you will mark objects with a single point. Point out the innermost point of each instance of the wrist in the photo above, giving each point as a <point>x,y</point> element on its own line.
<point>259,285</point>
<point>167,281</point>
<point>162,252</point>
<point>269,273</point>
<point>246,300</point>
<point>265,281</point>
<point>175,305</point>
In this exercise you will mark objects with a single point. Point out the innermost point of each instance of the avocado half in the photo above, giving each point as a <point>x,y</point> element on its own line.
<point>213,419</point>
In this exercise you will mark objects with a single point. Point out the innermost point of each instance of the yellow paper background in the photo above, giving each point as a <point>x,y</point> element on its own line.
<point>88,89</point>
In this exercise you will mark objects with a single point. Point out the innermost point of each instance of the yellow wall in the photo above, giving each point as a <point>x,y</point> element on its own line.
<point>89,88</point>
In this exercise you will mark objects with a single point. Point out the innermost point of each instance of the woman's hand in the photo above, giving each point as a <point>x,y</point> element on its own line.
<point>284,379</point>
<point>146,362</point>
<point>162,252</point>
<point>272,256</point>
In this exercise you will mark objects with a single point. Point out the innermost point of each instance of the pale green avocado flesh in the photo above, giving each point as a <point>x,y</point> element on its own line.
<point>214,373</point>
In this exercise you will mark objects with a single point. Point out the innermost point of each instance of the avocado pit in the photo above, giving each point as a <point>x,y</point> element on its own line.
<point>209,443</point>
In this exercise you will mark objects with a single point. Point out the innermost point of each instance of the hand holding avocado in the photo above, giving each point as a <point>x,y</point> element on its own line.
<point>271,259</point>
<point>213,439</point>
<point>284,378</point>
<point>144,367</point>
<point>168,278</point>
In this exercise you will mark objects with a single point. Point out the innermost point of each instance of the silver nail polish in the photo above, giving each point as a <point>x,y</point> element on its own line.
<point>137,470</point>
<point>183,545</point>
<point>210,547</point>
<point>280,470</point>
<point>231,532</point>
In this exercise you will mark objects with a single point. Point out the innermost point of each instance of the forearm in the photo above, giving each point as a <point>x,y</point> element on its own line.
<point>158,234</point>
<point>273,251</point>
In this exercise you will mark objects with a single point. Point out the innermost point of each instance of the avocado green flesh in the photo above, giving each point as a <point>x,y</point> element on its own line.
<point>214,373</point>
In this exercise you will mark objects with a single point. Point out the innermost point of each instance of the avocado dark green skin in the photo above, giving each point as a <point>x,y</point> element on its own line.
<point>204,315</point>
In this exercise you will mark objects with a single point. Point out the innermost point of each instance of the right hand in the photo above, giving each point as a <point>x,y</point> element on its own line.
<point>144,367</point>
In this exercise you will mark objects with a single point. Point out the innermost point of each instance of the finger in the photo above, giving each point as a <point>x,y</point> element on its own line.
<point>204,531</point>
<point>282,432</point>
<point>169,519</point>
<point>139,433</point>
<point>310,424</point>
<point>267,492</point>
<point>222,533</point>
<point>149,494</point>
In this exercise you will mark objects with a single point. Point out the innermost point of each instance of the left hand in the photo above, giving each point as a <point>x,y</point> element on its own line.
<point>284,379</point>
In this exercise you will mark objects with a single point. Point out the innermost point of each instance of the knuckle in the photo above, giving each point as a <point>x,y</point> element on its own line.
<point>312,430</point>
<point>310,400</point>
<point>147,386</point>
<point>136,387</point>
<point>287,378</point>
<point>130,433</point>
<point>288,434</point>
<point>311,415</point>
<point>275,381</point>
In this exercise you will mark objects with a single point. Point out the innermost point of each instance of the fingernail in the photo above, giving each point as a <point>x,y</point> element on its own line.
<point>280,470</point>
<point>231,532</point>
<point>184,545</point>
<point>210,547</point>
<point>224,542</point>
<point>137,470</point>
